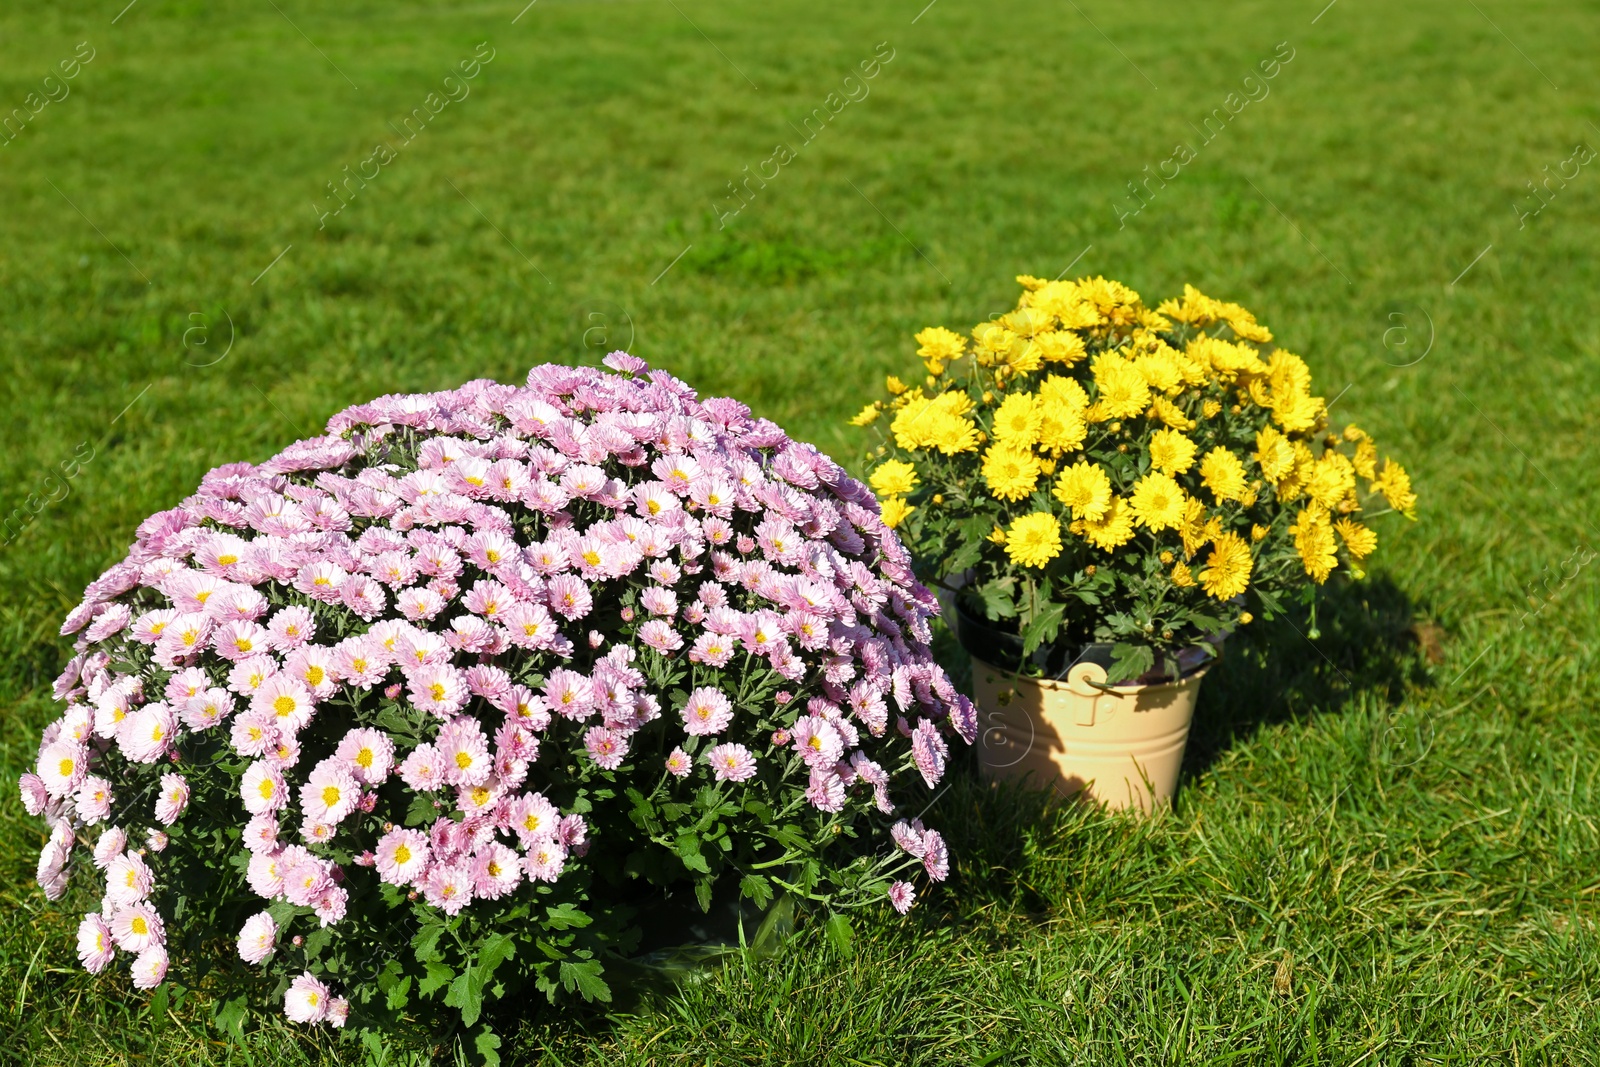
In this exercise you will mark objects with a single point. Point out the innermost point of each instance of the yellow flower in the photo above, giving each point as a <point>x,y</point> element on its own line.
<point>936,423</point>
<point>1332,480</point>
<point>997,535</point>
<point>1122,389</point>
<point>1010,472</point>
<point>1034,540</point>
<point>1366,459</point>
<point>867,415</point>
<point>1195,529</point>
<point>1274,454</point>
<point>1060,347</point>
<point>1313,539</point>
<point>1166,411</point>
<point>1258,532</point>
<point>1227,569</point>
<point>1358,539</point>
<point>895,510</point>
<point>1395,485</point>
<point>894,478</point>
<point>1210,408</point>
<point>994,343</point>
<point>1111,531</point>
<point>1181,576</point>
<point>1016,423</point>
<point>1086,489</point>
<point>1061,429</point>
<point>1298,413</point>
<point>895,385</point>
<point>1059,392</point>
<point>1171,452</point>
<point>940,346</point>
<point>1223,474</point>
<point>1157,502</point>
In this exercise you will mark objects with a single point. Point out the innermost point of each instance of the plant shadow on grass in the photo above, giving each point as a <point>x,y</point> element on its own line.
<point>1370,640</point>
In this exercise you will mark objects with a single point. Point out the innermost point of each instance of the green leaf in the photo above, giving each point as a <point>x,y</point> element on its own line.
<point>565,917</point>
<point>1042,628</point>
<point>688,849</point>
<point>756,888</point>
<point>421,812</point>
<point>487,1044</point>
<point>839,932</point>
<point>399,994</point>
<point>998,598</point>
<point>585,978</point>
<point>702,893</point>
<point>426,943</point>
<point>438,977</point>
<point>1129,661</point>
<point>229,1016</point>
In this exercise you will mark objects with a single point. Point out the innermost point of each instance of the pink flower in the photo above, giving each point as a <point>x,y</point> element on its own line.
<point>496,871</point>
<point>135,927</point>
<point>330,905</point>
<point>95,946</point>
<point>464,752</point>
<point>287,699</point>
<point>263,788</point>
<point>306,1000</point>
<point>712,649</point>
<point>902,896</point>
<point>313,666</point>
<point>255,733</point>
<point>291,627</point>
<point>929,751</point>
<point>110,846</point>
<point>678,763</point>
<point>659,635</point>
<point>545,860</point>
<point>331,792</point>
<point>606,747</point>
<point>818,741</point>
<point>569,693</point>
<point>448,887</point>
<point>569,596</point>
<point>261,833</point>
<point>150,967</point>
<point>423,769</point>
<point>420,604</point>
<point>128,879</point>
<point>438,688</point>
<point>533,818</point>
<point>368,753</point>
<point>205,710</point>
<point>62,766</point>
<point>173,798</point>
<point>93,800</point>
<point>530,626</point>
<point>731,763</point>
<point>935,856</point>
<point>257,938</point>
<point>825,790</point>
<point>707,711</point>
<point>401,854</point>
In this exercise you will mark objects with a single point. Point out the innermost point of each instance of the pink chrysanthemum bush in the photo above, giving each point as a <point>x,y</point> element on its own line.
<point>436,708</point>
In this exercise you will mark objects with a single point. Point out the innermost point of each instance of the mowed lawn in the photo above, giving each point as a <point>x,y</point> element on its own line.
<point>1385,848</point>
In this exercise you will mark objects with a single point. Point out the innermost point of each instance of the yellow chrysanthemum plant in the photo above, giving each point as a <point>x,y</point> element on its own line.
<point>1084,470</point>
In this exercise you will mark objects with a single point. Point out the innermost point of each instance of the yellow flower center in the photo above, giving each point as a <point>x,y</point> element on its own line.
<point>284,706</point>
<point>463,760</point>
<point>402,853</point>
<point>139,926</point>
<point>330,795</point>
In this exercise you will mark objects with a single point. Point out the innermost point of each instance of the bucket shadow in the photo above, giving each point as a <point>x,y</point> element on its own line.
<point>1374,641</point>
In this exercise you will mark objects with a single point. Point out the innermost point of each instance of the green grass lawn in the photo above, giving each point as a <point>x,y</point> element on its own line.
<point>1385,845</point>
